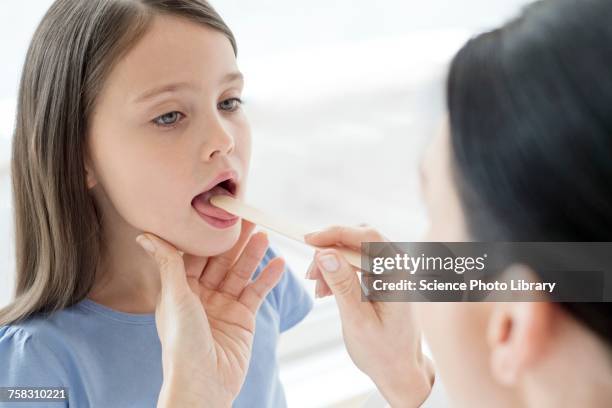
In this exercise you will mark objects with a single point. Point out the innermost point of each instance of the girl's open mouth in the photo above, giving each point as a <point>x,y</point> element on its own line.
<point>216,217</point>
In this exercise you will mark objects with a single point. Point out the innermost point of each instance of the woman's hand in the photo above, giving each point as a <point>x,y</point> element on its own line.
<point>381,337</point>
<point>205,318</point>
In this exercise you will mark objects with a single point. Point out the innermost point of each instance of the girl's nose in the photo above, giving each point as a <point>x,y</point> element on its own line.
<point>217,141</point>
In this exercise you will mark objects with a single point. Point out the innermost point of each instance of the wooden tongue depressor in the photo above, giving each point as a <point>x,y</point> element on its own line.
<point>290,230</point>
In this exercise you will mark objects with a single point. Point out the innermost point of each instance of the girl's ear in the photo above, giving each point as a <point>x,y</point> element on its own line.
<point>90,175</point>
<point>518,333</point>
<point>91,180</point>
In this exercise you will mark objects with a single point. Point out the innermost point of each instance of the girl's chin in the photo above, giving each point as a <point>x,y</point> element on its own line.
<point>213,242</point>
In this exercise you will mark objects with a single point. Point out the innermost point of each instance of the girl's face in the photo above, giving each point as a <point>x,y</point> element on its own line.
<point>168,126</point>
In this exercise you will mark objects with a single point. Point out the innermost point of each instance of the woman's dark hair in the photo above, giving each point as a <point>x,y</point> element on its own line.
<point>530,111</point>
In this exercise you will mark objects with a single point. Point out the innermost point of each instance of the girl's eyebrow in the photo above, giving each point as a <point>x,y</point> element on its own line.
<point>234,76</point>
<point>163,88</point>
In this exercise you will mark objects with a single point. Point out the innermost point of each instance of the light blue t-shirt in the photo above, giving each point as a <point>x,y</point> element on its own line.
<point>108,358</point>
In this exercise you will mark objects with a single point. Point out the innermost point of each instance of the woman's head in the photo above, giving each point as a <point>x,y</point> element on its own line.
<point>527,156</point>
<point>127,110</point>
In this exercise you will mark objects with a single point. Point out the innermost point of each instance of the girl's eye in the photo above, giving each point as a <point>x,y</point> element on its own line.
<point>230,105</point>
<point>168,119</point>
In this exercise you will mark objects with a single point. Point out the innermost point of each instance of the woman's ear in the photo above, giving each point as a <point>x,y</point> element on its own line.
<point>518,334</point>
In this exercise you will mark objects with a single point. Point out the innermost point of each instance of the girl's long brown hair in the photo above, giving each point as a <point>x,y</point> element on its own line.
<point>57,226</point>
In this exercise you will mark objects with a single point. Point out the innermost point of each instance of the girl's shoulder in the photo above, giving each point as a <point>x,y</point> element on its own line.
<point>36,330</point>
<point>39,332</point>
<point>22,333</point>
<point>28,356</point>
<point>46,336</point>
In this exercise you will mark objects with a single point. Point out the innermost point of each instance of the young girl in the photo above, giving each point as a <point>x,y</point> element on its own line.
<point>129,118</point>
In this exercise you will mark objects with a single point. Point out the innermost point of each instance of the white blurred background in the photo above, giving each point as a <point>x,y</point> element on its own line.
<point>342,96</point>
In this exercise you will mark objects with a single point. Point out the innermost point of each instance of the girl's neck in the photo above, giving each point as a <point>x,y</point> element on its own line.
<point>126,289</point>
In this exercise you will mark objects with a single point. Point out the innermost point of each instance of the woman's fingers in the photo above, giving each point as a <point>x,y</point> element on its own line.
<point>169,263</point>
<point>217,266</point>
<point>351,237</point>
<point>240,274</point>
<point>194,265</point>
<point>246,229</point>
<point>313,272</point>
<point>254,293</point>
<point>321,287</point>
<point>342,280</point>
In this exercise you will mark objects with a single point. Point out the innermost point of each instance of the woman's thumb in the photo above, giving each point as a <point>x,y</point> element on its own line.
<point>169,262</point>
<point>341,278</point>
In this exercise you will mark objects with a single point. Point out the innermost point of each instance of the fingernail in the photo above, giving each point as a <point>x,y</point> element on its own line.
<point>145,243</point>
<point>310,234</point>
<point>329,262</point>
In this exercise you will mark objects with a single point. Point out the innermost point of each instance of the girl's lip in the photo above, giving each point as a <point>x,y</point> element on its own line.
<point>213,215</point>
<point>219,222</point>
<point>225,175</point>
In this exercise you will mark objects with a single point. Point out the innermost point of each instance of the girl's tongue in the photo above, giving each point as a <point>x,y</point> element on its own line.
<point>202,204</point>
